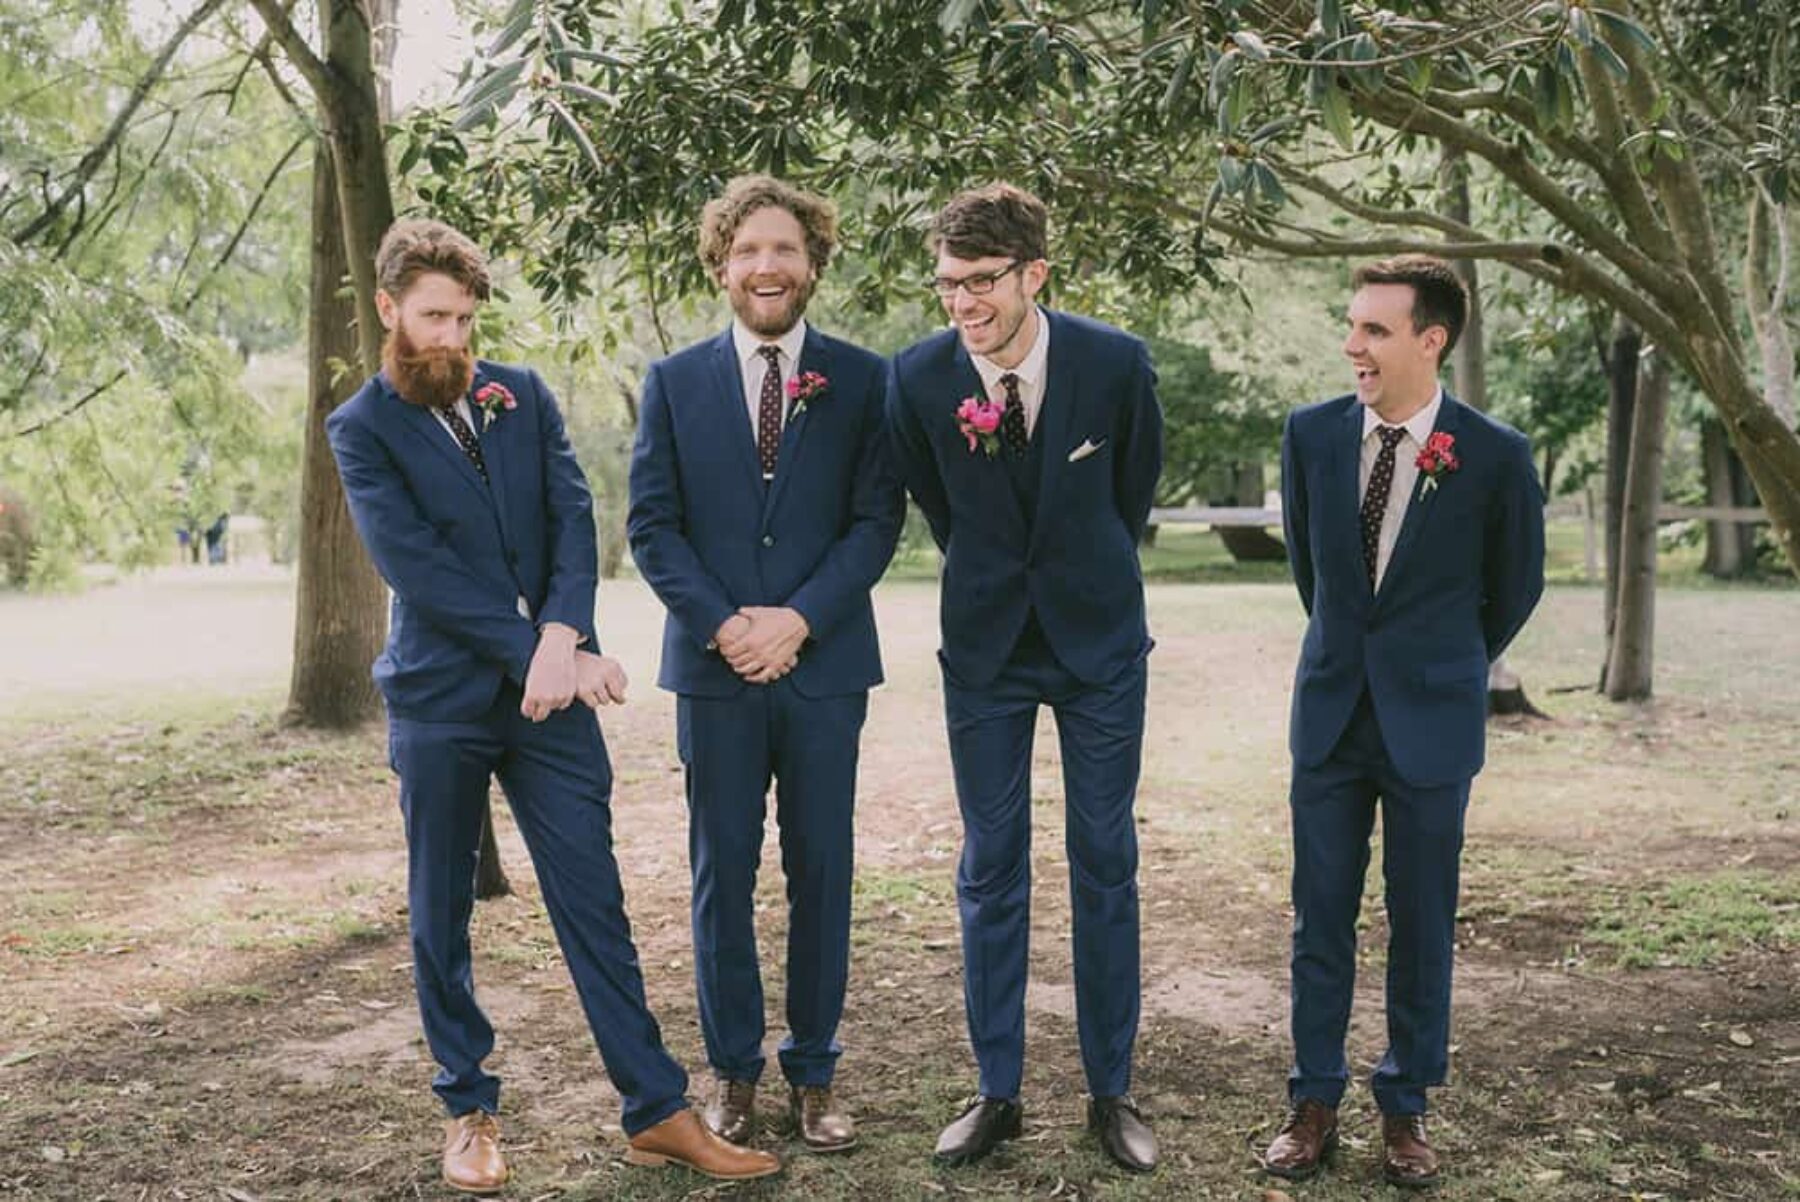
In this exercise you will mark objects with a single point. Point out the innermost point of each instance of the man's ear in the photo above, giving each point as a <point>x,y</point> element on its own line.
<point>388,309</point>
<point>1435,338</point>
<point>1033,276</point>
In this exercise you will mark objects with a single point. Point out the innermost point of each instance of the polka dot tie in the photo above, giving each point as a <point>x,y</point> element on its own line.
<point>1375,501</point>
<point>465,438</point>
<point>1013,435</point>
<point>768,411</point>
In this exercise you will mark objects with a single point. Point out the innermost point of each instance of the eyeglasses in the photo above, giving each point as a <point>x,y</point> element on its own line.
<point>975,285</point>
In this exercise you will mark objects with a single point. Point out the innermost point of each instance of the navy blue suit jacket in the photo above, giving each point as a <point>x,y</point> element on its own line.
<point>710,537</point>
<point>1074,562</point>
<point>1465,573</point>
<point>459,552</point>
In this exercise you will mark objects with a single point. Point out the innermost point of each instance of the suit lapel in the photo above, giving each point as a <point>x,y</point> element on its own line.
<point>1055,420</point>
<point>1346,484</point>
<point>1418,508</point>
<point>732,417</point>
<point>965,381</point>
<point>432,433</point>
<point>813,357</point>
<point>493,452</point>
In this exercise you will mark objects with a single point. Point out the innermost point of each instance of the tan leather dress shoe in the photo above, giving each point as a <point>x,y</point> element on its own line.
<point>731,1113</point>
<point>684,1140</point>
<point>1407,1157</point>
<point>472,1160</point>
<point>1306,1139</point>
<point>822,1123</point>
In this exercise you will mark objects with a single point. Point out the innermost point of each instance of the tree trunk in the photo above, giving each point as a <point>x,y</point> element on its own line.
<point>1468,374</point>
<point>1730,546</point>
<point>1621,400</point>
<point>339,613</point>
<point>339,618</point>
<point>1632,652</point>
<point>1468,361</point>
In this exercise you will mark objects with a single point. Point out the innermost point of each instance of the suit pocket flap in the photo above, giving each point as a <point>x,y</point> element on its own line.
<point>1454,672</point>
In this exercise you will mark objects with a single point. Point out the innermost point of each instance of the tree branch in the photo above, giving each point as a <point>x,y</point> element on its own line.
<point>90,162</point>
<point>1618,171</point>
<point>1395,111</point>
<point>315,70</point>
<point>72,409</point>
<point>237,236</point>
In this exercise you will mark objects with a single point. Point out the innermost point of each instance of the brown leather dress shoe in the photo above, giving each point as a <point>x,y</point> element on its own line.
<point>822,1123</point>
<point>684,1140</point>
<point>1306,1140</point>
<point>472,1160</point>
<point>1407,1158</point>
<point>732,1111</point>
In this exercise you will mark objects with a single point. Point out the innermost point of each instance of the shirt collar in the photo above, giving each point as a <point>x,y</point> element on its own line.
<point>1419,425</point>
<point>1031,369</point>
<point>748,344</point>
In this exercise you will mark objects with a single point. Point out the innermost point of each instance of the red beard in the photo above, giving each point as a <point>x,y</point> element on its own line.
<point>432,376</point>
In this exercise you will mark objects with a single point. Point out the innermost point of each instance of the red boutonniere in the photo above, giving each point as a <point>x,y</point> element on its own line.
<point>803,388</point>
<point>1437,459</point>
<point>978,420</point>
<point>494,399</point>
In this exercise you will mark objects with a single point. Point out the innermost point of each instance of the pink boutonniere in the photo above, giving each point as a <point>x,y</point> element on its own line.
<point>1437,459</point>
<point>803,388</point>
<point>493,399</point>
<point>978,420</point>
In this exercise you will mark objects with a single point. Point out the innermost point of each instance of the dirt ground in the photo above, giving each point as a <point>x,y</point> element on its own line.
<point>204,977</point>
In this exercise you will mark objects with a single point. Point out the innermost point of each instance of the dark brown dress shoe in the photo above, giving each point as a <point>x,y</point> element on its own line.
<point>1307,1138</point>
<point>822,1123</point>
<point>1407,1158</point>
<point>1124,1135</point>
<point>684,1140</point>
<point>979,1130</point>
<point>732,1111</point>
<point>472,1160</point>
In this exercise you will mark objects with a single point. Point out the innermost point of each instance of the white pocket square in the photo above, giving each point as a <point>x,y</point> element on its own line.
<point>1088,447</point>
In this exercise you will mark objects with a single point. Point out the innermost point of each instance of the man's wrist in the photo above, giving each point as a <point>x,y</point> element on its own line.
<point>559,634</point>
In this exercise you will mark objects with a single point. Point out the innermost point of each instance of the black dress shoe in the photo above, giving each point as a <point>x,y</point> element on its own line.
<point>980,1129</point>
<point>1124,1135</point>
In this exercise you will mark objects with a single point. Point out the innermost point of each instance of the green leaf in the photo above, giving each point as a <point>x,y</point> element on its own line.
<point>1544,96</point>
<point>495,88</point>
<point>1178,81</point>
<point>1609,59</point>
<point>1331,17</point>
<point>1624,27</point>
<point>1268,184</point>
<point>592,95</point>
<point>956,13</point>
<point>1252,45</point>
<point>1232,174</point>
<point>1222,72</point>
<point>579,135</point>
<point>1579,27</point>
<point>1334,109</point>
<point>1418,73</point>
<point>518,20</point>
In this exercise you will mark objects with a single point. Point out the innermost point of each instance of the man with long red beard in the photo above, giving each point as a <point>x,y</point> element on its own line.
<point>465,490</point>
<point>763,510</point>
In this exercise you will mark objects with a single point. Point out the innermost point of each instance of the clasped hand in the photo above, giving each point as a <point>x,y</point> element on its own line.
<point>561,673</point>
<point>762,642</point>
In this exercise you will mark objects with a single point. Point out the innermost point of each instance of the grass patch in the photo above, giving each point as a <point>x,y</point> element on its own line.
<point>1696,922</point>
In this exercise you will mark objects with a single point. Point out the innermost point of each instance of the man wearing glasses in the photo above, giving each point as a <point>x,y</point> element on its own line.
<point>1032,442</point>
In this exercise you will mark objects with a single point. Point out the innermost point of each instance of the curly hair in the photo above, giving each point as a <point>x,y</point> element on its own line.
<point>720,219</point>
<point>419,247</point>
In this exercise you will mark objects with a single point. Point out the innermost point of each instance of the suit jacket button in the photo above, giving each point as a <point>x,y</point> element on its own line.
<point>768,540</point>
